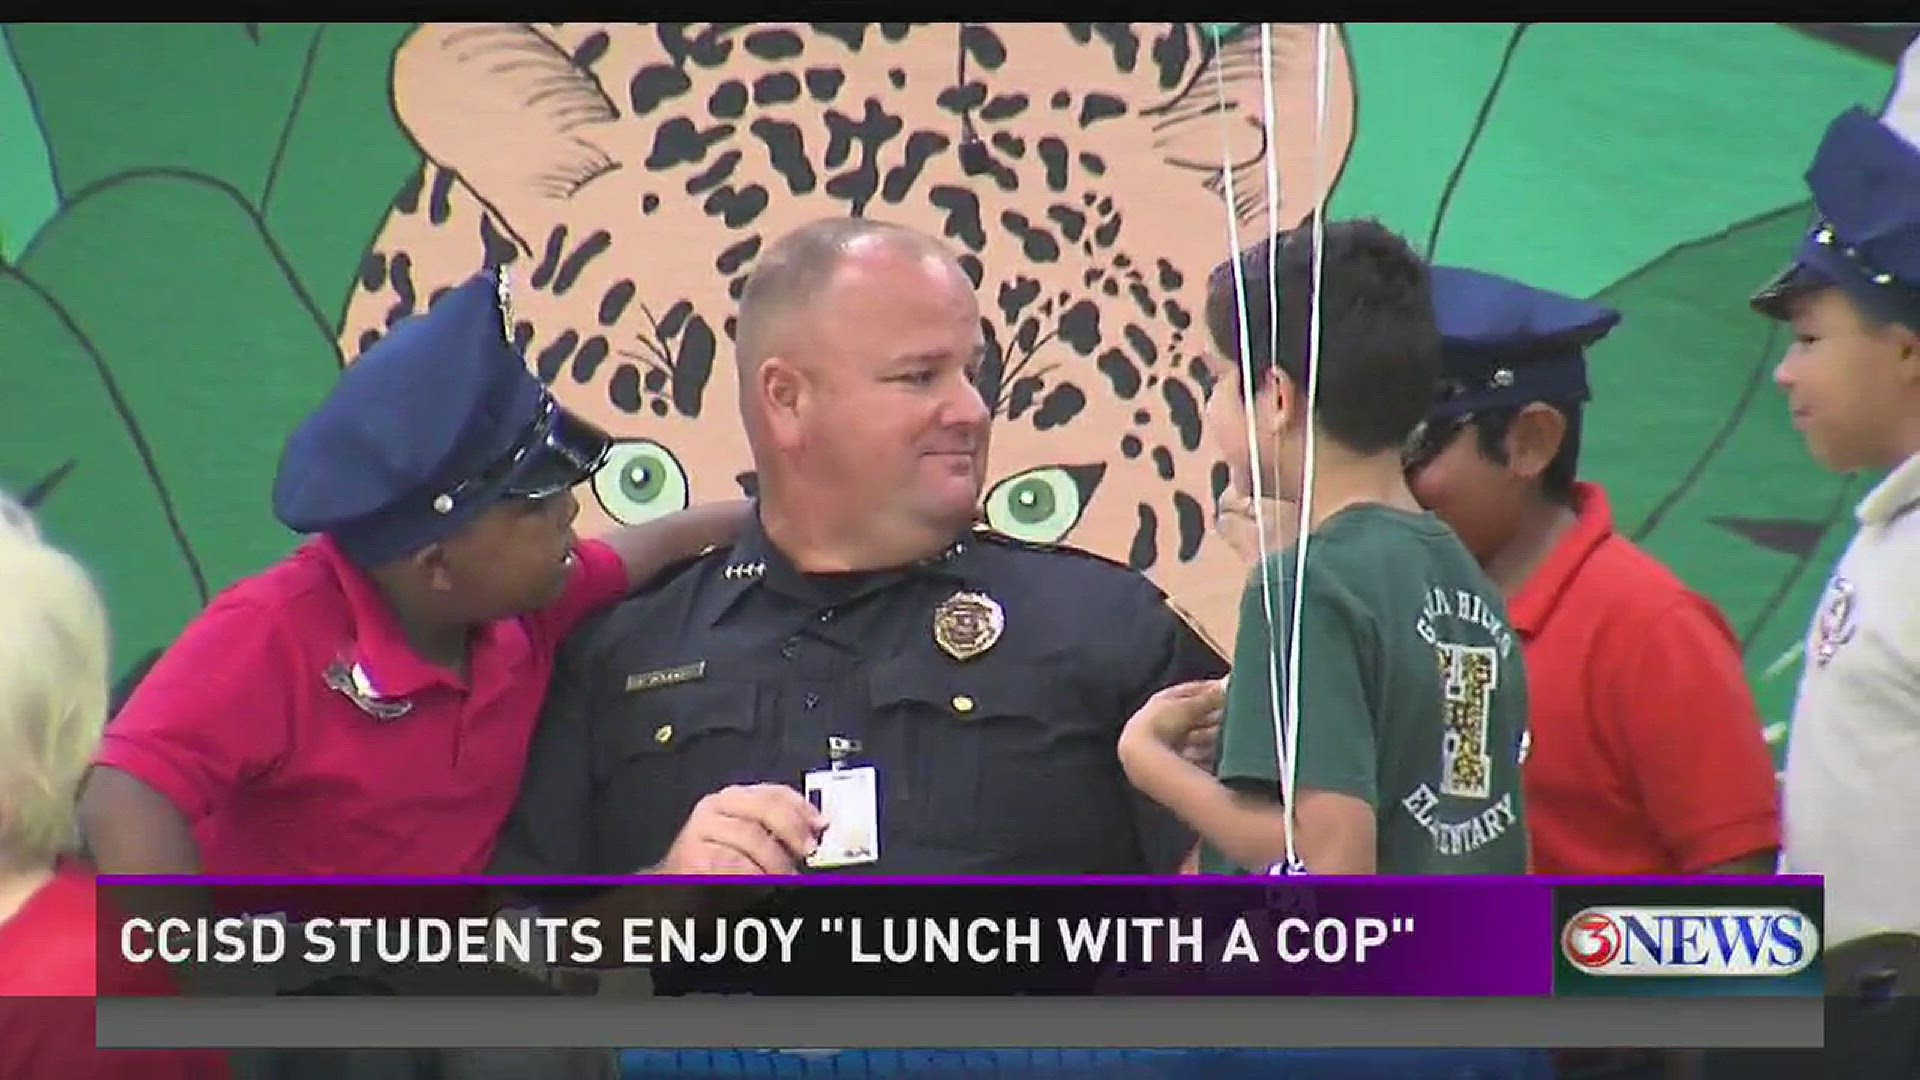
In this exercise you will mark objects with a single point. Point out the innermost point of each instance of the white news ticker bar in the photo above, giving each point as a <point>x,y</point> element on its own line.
<point>1759,1023</point>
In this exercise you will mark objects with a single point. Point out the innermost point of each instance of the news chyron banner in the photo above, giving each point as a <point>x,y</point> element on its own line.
<point>1464,937</point>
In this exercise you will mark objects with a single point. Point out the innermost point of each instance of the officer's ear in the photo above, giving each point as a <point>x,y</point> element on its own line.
<point>1534,438</point>
<point>433,565</point>
<point>783,396</point>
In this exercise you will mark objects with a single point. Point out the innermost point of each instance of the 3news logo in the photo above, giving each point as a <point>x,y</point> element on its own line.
<point>1758,940</point>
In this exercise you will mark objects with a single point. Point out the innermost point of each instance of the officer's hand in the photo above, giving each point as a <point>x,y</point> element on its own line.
<point>1236,523</point>
<point>757,829</point>
<point>1185,717</point>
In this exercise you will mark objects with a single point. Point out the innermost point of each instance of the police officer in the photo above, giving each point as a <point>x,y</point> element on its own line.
<point>1852,380</point>
<point>948,697</point>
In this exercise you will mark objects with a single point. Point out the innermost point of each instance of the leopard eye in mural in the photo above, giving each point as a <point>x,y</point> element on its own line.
<point>1042,505</point>
<point>641,480</point>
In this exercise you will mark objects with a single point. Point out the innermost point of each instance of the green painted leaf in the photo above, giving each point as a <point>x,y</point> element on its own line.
<point>215,356</point>
<point>27,197</point>
<point>199,96</point>
<point>88,474</point>
<point>343,158</point>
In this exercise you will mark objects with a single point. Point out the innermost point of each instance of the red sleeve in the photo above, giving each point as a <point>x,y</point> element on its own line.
<point>1690,735</point>
<point>217,711</point>
<point>598,579</point>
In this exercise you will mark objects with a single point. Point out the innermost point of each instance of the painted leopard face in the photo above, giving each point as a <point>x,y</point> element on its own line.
<point>631,174</point>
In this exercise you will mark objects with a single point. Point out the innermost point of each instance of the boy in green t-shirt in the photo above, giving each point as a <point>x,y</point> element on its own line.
<point>1412,699</point>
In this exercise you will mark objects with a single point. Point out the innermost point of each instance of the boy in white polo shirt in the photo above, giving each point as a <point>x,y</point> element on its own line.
<point>1852,379</point>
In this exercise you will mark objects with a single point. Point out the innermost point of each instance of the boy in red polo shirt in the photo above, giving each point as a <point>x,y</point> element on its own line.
<point>1647,755</point>
<point>364,707</point>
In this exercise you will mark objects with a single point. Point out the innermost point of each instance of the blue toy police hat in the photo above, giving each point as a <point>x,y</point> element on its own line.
<point>431,425</point>
<point>1506,344</point>
<point>1865,180</point>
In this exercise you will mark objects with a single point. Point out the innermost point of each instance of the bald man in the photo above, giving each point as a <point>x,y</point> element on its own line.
<point>946,698</point>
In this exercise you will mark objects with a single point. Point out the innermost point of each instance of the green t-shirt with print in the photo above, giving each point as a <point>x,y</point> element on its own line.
<point>1413,696</point>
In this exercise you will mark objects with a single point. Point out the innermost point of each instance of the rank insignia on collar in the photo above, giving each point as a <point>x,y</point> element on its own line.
<point>744,571</point>
<point>352,683</point>
<point>967,624</point>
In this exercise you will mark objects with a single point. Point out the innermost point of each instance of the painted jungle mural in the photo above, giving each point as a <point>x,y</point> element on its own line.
<point>199,224</point>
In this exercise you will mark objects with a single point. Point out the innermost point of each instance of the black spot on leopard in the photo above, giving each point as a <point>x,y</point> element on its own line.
<point>1142,417</point>
<point>551,358</point>
<point>407,199</point>
<point>673,320</point>
<point>613,303</point>
<point>963,215</point>
<point>975,272</point>
<point>1016,296</point>
<point>586,362</point>
<point>1120,373</point>
<point>921,146</point>
<point>1145,550</point>
<point>656,380</point>
<point>1130,446</point>
<point>983,46</point>
<point>1163,462</point>
<point>774,44</point>
<point>872,131</point>
<point>438,206</point>
<point>590,51</point>
<point>1171,54</point>
<point>368,339</point>
<point>824,83</point>
<point>1020,396</point>
<point>400,276</point>
<point>1184,411</point>
<point>590,249</point>
<point>728,100</point>
<point>678,142</point>
<point>731,327</point>
<point>1060,407</point>
<point>1120,38</point>
<point>1097,107</point>
<point>1072,222</point>
<point>1093,163</point>
<point>522,336</point>
<point>373,270</point>
<point>655,84</point>
<point>1080,327</point>
<point>1177,315</point>
<point>1193,524</point>
<point>1203,375</point>
<point>895,31</point>
<point>1143,299</point>
<point>852,35</point>
<point>1087,199</point>
<point>658,407</point>
<point>1011,145</point>
<point>550,260</point>
<point>1218,479</point>
<point>1004,107</point>
<point>896,77</point>
<point>1060,99</point>
<point>1107,232</point>
<point>1170,276</point>
<point>737,207</point>
<point>962,99</point>
<point>776,88</point>
<point>1106,205</point>
<point>737,288</point>
<point>623,390</point>
<point>1110,287</point>
<point>1142,344</point>
<point>716,174</point>
<point>692,366</point>
<point>1038,244</point>
<point>1053,154</point>
<point>787,152</point>
<point>710,48</point>
<point>731,260</point>
<point>649,203</point>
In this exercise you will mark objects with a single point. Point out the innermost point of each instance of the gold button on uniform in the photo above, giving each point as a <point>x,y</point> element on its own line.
<point>962,703</point>
<point>663,734</point>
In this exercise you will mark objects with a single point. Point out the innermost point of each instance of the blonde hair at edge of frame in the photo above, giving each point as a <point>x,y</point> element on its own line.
<point>53,689</point>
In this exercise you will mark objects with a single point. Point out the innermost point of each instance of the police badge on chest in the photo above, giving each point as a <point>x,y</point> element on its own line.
<point>351,682</point>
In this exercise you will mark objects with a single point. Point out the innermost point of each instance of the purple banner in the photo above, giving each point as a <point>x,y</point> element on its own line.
<point>843,936</point>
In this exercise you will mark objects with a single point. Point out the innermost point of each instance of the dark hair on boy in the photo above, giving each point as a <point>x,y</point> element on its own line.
<point>1379,345</point>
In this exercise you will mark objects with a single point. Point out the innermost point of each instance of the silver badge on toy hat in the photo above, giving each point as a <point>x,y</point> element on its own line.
<point>967,624</point>
<point>505,291</point>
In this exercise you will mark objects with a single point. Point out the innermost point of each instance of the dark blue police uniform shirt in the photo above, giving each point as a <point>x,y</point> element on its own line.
<point>735,669</point>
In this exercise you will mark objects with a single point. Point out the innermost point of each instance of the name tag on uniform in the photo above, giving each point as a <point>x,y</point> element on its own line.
<point>849,800</point>
<point>673,676</point>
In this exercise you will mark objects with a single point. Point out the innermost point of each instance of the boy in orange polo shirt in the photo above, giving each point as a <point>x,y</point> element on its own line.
<point>1647,755</point>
